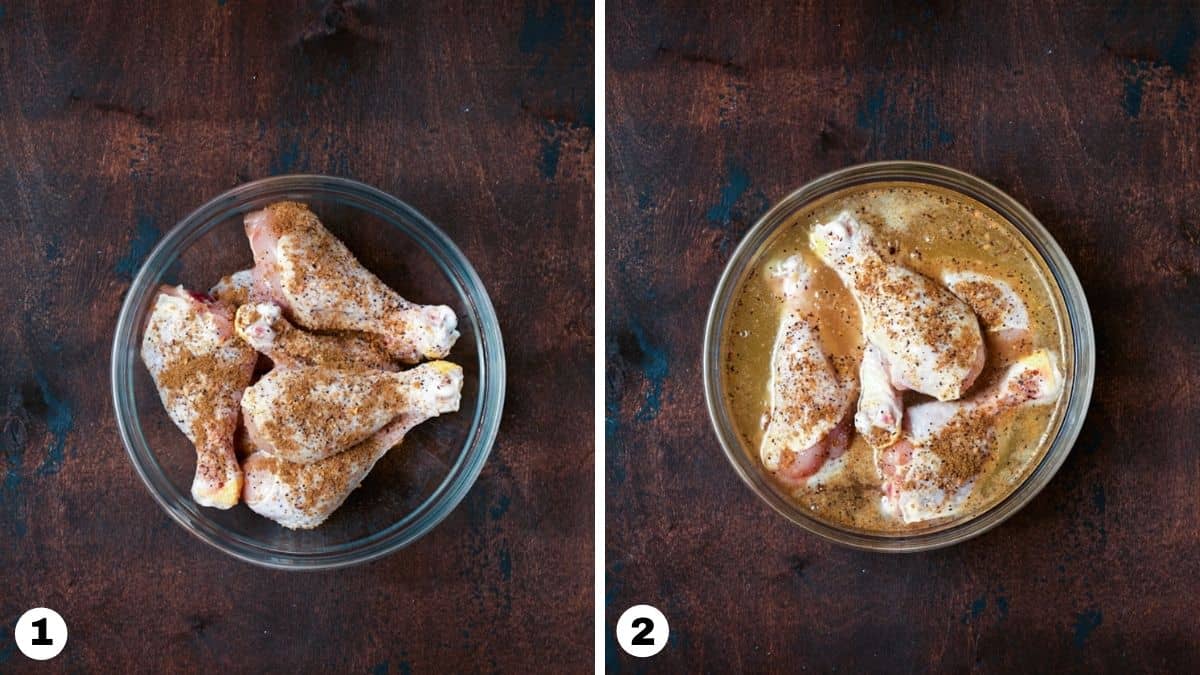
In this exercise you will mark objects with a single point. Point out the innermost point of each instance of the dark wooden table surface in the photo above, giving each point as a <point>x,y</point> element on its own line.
<point>115,124</point>
<point>1090,117</point>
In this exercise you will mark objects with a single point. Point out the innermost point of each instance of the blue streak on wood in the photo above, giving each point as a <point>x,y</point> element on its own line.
<point>548,162</point>
<point>612,586</point>
<point>287,159</point>
<point>1085,624</point>
<point>643,200</point>
<point>870,113</point>
<point>14,440</point>
<point>6,635</point>
<point>60,419</point>
<point>978,606</point>
<point>736,184</point>
<point>655,368</point>
<point>934,132</point>
<point>12,487</point>
<point>14,456</point>
<point>541,30</point>
<point>612,417</point>
<point>501,507</point>
<point>586,109</point>
<point>144,238</point>
<point>542,33</point>
<point>12,475</point>
<point>612,389</point>
<point>1178,51</point>
<point>1132,100</point>
<point>505,564</point>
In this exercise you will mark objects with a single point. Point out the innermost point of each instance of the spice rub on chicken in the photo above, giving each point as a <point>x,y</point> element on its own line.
<point>302,496</point>
<point>200,368</point>
<point>308,272</point>
<point>947,446</point>
<point>810,403</point>
<point>929,337</point>
<point>306,413</point>
<point>263,326</point>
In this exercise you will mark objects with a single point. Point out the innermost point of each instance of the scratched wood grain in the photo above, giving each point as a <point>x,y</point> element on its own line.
<point>114,124</point>
<point>1090,116</point>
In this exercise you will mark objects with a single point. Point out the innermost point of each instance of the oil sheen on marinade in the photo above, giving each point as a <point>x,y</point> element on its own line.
<point>930,230</point>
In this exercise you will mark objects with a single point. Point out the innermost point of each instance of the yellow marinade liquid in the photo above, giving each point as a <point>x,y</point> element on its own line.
<point>930,230</point>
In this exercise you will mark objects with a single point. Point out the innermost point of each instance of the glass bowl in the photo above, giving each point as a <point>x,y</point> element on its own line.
<point>1079,364</point>
<point>415,485</point>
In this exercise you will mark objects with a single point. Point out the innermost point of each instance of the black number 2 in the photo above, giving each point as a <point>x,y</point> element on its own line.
<point>41,640</point>
<point>642,639</point>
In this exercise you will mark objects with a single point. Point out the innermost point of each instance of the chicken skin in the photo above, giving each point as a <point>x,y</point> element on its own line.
<point>1002,316</point>
<point>308,413</point>
<point>302,496</point>
<point>946,445</point>
<point>308,272</point>
<point>201,369</point>
<point>929,338</point>
<point>809,402</point>
<point>1001,311</point>
<point>880,411</point>
<point>263,326</point>
<point>236,289</point>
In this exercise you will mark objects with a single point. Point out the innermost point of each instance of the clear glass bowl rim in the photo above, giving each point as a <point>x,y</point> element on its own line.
<point>460,273</point>
<point>1078,314</point>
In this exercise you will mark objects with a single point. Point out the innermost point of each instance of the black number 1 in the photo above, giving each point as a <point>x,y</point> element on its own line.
<point>642,639</point>
<point>41,640</point>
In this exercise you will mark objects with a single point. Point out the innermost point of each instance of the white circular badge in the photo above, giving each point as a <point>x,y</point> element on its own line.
<point>642,631</point>
<point>40,634</point>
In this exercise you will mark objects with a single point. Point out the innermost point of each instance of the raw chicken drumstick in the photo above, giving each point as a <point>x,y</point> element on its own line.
<point>809,403</point>
<point>931,471</point>
<point>200,368</point>
<point>263,327</point>
<point>308,413</point>
<point>1002,315</point>
<point>303,495</point>
<point>1001,311</point>
<point>304,269</point>
<point>929,338</point>
<point>880,410</point>
<point>993,300</point>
